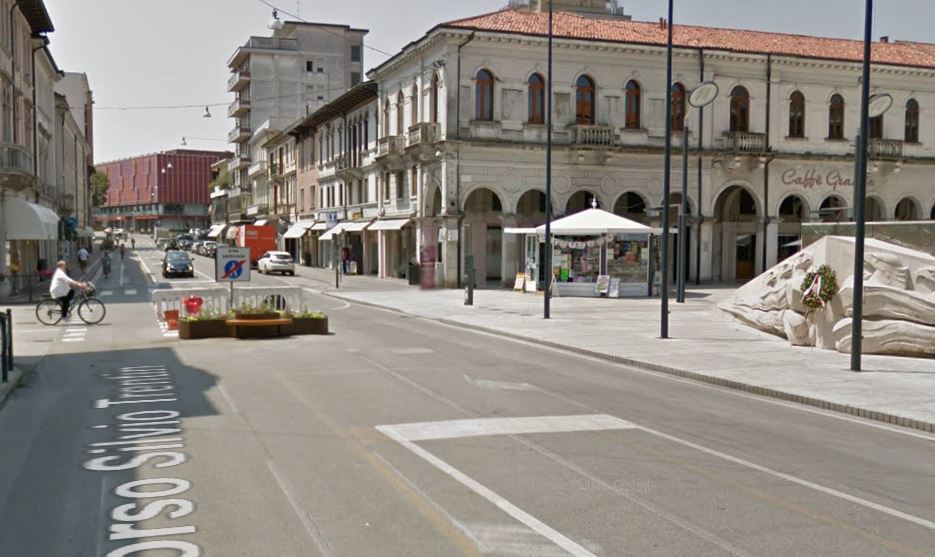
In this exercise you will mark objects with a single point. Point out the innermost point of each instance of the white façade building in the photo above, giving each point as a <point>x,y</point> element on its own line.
<point>462,135</point>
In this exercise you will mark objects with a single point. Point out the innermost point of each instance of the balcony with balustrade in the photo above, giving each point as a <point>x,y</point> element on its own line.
<point>239,134</point>
<point>16,170</point>
<point>744,142</point>
<point>593,137</point>
<point>885,149</point>
<point>238,80</point>
<point>238,108</point>
<point>257,169</point>
<point>423,133</point>
<point>389,146</point>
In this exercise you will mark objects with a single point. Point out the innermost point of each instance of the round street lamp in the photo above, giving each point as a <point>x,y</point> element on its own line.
<point>879,104</point>
<point>701,96</point>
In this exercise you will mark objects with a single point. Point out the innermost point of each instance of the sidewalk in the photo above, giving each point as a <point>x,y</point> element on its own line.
<point>41,287</point>
<point>706,345</point>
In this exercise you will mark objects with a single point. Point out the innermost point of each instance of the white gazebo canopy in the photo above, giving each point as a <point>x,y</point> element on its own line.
<point>595,222</point>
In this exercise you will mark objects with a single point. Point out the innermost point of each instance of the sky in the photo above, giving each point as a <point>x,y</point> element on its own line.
<point>174,52</point>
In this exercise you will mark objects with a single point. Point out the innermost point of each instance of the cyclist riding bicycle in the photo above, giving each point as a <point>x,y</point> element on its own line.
<point>105,264</point>
<point>62,285</point>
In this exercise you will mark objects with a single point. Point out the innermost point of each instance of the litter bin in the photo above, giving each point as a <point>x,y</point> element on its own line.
<point>413,274</point>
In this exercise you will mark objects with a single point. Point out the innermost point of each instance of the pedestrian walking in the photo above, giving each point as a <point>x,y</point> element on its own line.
<point>123,250</point>
<point>132,243</point>
<point>83,257</point>
<point>345,258</point>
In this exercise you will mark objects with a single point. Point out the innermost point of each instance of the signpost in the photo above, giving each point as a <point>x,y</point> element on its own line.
<point>232,265</point>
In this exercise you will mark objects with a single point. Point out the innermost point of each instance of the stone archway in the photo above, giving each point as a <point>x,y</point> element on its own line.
<point>874,210</point>
<point>907,210</point>
<point>793,211</point>
<point>632,205</point>
<point>833,209</point>
<point>483,235</point>
<point>737,238</point>
<point>581,200</point>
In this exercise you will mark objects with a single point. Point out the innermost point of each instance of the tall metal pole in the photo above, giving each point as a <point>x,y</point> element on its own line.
<point>683,215</point>
<point>666,178</point>
<point>548,180</point>
<point>860,195</point>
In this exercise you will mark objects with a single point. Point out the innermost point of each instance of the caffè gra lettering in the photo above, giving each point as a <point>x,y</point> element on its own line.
<point>809,179</point>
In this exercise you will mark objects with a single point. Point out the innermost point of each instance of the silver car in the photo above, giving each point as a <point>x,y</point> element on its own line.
<point>276,262</point>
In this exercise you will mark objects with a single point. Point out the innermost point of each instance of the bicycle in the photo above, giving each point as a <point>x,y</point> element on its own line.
<point>91,310</point>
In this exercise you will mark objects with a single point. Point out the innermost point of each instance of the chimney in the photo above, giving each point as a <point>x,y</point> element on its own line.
<point>885,39</point>
<point>662,23</point>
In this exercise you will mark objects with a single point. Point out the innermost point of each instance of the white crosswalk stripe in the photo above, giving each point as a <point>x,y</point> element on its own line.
<point>75,334</point>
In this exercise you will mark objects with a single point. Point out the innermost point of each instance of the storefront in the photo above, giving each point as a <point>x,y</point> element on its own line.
<point>594,253</point>
<point>28,242</point>
<point>293,240</point>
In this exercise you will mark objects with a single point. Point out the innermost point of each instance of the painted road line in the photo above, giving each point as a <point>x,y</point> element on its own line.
<point>520,515</point>
<point>107,293</point>
<point>455,429</point>
<point>130,292</point>
<point>412,351</point>
<point>313,531</point>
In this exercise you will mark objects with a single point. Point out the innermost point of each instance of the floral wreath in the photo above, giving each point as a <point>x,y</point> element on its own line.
<point>819,287</point>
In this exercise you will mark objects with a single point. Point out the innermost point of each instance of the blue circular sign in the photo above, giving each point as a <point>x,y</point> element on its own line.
<point>233,270</point>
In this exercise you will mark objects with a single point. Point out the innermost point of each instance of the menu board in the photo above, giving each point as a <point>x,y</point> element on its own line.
<point>602,285</point>
<point>614,291</point>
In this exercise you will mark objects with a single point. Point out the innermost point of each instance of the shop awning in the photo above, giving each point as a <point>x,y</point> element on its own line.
<point>219,193</point>
<point>28,221</point>
<point>216,231</point>
<point>261,222</point>
<point>319,226</point>
<point>595,222</point>
<point>389,224</point>
<point>298,229</point>
<point>358,226</point>
<point>232,233</point>
<point>329,235</point>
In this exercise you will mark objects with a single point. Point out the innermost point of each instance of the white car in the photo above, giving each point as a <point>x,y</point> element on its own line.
<point>276,262</point>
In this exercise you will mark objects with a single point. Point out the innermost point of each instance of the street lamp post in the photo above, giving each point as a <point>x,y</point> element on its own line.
<point>548,182</point>
<point>666,184</point>
<point>700,97</point>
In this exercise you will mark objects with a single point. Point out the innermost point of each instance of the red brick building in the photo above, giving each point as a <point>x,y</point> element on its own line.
<point>168,190</point>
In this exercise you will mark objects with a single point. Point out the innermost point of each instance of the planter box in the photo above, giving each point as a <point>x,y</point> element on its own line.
<point>306,326</point>
<point>191,330</point>
<point>269,315</point>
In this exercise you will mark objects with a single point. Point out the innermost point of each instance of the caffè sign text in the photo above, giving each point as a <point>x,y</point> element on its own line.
<point>808,179</point>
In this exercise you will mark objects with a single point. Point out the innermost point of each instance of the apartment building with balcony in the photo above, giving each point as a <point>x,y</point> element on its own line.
<point>43,195</point>
<point>165,190</point>
<point>463,113</point>
<point>278,79</point>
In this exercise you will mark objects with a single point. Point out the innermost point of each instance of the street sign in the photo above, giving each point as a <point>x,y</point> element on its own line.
<point>232,264</point>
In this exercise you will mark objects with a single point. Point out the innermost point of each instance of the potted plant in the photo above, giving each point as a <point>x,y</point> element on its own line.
<point>204,324</point>
<point>255,312</point>
<point>306,323</point>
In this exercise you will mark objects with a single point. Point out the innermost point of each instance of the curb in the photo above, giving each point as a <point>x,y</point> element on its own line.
<point>6,389</point>
<point>928,427</point>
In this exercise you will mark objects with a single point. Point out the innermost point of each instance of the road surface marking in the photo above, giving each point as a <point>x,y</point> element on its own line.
<point>130,292</point>
<point>509,508</point>
<point>74,334</point>
<point>122,267</point>
<point>228,399</point>
<point>499,385</point>
<point>456,429</point>
<point>310,526</point>
<point>412,351</point>
<point>106,293</point>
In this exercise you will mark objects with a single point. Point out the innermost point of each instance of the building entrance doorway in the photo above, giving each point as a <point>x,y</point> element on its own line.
<point>737,238</point>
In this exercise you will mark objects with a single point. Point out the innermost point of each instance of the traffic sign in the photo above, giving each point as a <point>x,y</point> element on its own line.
<point>232,264</point>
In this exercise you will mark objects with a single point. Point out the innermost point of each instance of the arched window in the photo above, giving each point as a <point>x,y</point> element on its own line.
<point>876,127</point>
<point>797,114</point>
<point>678,107</point>
<point>912,121</point>
<point>415,104</point>
<point>536,99</point>
<point>399,114</point>
<point>434,99</point>
<point>739,110</point>
<point>584,101</point>
<point>836,117</point>
<point>386,118</point>
<point>483,97</point>
<point>632,105</point>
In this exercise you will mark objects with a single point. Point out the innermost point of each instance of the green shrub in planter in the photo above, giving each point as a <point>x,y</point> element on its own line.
<point>306,323</point>
<point>207,324</point>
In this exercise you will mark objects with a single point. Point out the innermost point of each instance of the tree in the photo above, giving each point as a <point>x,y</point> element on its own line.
<point>223,181</point>
<point>99,185</point>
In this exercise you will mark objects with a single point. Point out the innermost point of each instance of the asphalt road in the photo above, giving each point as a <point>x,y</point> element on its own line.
<point>398,436</point>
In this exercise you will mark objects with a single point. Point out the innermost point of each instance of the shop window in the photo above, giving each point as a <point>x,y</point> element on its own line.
<point>797,115</point>
<point>483,96</point>
<point>632,105</point>
<point>584,101</point>
<point>678,107</point>
<point>912,121</point>
<point>836,117</point>
<point>536,100</point>
<point>740,110</point>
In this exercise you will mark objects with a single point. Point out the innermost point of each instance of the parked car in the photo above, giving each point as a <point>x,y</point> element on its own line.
<point>177,264</point>
<point>276,262</point>
<point>196,246</point>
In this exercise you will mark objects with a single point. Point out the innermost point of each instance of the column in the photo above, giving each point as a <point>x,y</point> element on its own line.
<point>772,243</point>
<point>449,254</point>
<point>382,254</point>
<point>509,264</point>
<point>706,237</point>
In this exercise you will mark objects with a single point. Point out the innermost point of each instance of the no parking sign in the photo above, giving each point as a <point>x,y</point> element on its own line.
<point>232,264</point>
